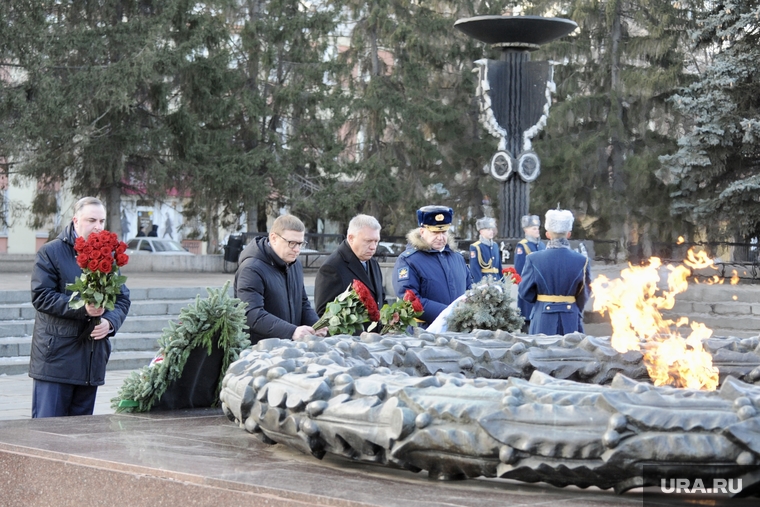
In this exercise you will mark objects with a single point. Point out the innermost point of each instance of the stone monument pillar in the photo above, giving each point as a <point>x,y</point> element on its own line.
<point>514,95</point>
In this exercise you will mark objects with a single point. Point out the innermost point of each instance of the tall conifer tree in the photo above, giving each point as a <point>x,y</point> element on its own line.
<point>285,109</point>
<point>90,93</point>
<point>716,170</point>
<point>412,136</point>
<point>611,119</point>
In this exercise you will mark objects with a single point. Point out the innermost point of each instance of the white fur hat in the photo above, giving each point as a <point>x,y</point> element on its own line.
<point>559,220</point>
<point>485,223</point>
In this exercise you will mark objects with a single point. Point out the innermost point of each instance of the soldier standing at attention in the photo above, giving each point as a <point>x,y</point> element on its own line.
<point>557,280</point>
<point>430,267</point>
<point>485,257</point>
<point>529,244</point>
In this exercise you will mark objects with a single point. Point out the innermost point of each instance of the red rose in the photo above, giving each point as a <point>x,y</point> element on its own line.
<point>122,259</point>
<point>512,272</point>
<point>79,244</point>
<point>106,251</point>
<point>410,296</point>
<point>121,248</point>
<point>365,296</point>
<point>96,254</point>
<point>105,266</point>
<point>82,261</point>
<point>93,264</point>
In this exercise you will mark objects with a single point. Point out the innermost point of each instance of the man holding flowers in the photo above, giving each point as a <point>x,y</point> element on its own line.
<point>353,259</point>
<point>269,279</point>
<point>67,362</point>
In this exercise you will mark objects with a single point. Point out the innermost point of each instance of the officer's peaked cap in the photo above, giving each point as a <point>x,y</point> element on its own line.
<point>435,218</point>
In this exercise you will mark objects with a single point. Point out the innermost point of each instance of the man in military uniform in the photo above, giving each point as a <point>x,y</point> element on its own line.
<point>430,267</point>
<point>529,244</point>
<point>485,258</point>
<point>557,280</point>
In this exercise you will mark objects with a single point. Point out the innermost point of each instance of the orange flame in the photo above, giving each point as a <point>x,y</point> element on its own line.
<point>634,301</point>
<point>680,240</point>
<point>735,278</point>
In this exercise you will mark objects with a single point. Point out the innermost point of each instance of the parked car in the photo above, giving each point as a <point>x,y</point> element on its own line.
<point>387,251</point>
<point>148,245</point>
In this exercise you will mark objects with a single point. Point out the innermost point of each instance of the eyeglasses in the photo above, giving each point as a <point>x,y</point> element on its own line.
<point>293,244</point>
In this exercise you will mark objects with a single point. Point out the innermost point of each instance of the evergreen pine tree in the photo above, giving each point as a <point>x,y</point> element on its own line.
<point>91,89</point>
<point>716,170</point>
<point>611,119</point>
<point>280,112</point>
<point>412,136</point>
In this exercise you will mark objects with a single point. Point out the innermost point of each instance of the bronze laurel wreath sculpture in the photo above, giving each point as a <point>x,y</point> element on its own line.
<point>563,410</point>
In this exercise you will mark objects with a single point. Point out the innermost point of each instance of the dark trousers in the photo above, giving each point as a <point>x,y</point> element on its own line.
<point>53,399</point>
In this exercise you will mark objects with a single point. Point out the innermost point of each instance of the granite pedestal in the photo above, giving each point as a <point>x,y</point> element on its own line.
<point>198,457</point>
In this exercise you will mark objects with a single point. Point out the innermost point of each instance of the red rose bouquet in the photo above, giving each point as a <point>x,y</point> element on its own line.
<point>511,274</point>
<point>100,256</point>
<point>401,314</point>
<point>348,312</point>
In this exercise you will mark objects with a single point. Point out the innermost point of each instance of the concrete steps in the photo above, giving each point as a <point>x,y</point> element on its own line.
<point>133,347</point>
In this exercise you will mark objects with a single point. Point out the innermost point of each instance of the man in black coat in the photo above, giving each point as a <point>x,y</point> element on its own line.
<point>66,366</point>
<point>270,279</point>
<point>352,260</point>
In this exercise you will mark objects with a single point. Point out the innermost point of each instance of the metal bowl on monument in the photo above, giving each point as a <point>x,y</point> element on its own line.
<point>518,31</point>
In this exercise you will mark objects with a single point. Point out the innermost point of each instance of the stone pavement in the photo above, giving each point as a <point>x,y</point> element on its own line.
<point>200,458</point>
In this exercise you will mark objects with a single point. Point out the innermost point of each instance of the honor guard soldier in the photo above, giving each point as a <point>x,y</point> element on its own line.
<point>485,257</point>
<point>526,246</point>
<point>557,280</point>
<point>430,267</point>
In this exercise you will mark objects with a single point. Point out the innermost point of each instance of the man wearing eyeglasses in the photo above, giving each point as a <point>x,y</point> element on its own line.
<point>270,279</point>
<point>430,267</point>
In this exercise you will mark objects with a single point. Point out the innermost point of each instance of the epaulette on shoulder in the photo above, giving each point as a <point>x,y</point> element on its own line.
<point>477,243</point>
<point>408,252</point>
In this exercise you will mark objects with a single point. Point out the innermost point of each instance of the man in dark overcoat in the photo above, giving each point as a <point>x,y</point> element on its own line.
<point>269,279</point>
<point>352,260</point>
<point>68,363</point>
